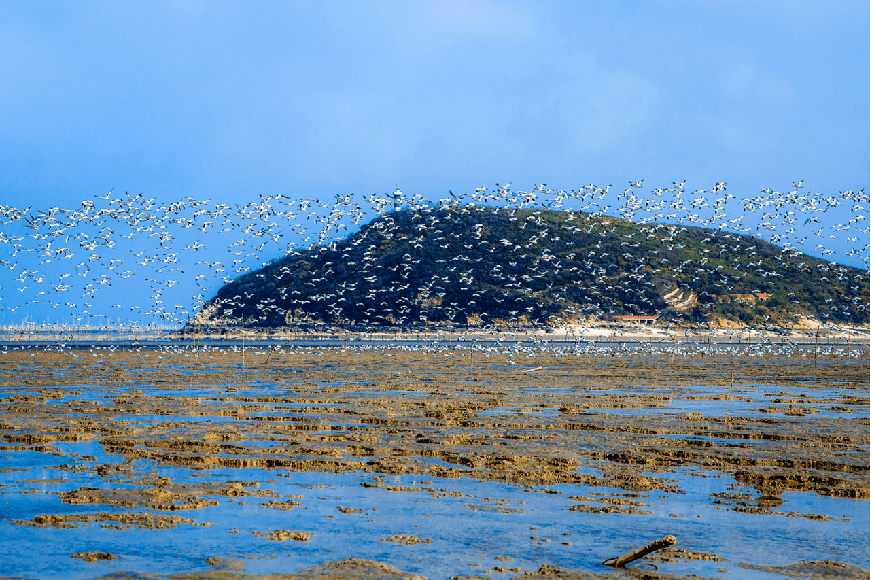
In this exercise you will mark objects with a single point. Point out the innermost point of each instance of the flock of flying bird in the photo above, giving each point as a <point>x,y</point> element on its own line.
<point>160,262</point>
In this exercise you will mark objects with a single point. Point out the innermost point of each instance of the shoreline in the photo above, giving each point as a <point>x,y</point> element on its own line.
<point>599,334</point>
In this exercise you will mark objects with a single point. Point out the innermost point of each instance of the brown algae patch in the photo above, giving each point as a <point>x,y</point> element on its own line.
<point>608,509</point>
<point>406,540</point>
<point>281,505</point>
<point>346,569</point>
<point>118,521</point>
<point>824,570</point>
<point>679,554</point>
<point>94,556</point>
<point>348,510</point>
<point>493,508</point>
<point>155,498</point>
<point>221,563</point>
<point>284,535</point>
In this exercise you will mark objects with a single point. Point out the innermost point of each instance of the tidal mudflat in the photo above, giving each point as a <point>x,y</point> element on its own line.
<point>390,463</point>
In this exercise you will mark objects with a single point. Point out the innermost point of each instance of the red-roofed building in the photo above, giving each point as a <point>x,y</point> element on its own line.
<point>636,319</point>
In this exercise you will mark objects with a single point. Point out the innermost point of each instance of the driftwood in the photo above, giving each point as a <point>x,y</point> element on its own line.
<point>640,552</point>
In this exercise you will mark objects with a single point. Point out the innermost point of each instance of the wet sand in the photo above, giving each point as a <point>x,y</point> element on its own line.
<point>609,434</point>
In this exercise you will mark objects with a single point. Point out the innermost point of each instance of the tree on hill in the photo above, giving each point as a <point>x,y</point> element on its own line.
<point>461,265</point>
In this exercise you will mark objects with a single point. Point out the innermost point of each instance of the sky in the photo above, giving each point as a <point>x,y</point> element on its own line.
<point>228,101</point>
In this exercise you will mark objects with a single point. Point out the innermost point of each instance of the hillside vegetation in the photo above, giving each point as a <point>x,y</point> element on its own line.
<point>516,267</point>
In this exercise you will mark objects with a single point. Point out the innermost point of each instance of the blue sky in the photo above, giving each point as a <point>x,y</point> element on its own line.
<point>228,100</point>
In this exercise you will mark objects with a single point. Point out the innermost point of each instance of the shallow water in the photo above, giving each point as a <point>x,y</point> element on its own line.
<point>468,523</point>
<point>482,522</point>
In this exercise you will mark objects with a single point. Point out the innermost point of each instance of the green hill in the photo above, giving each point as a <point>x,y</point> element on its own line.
<point>487,266</point>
